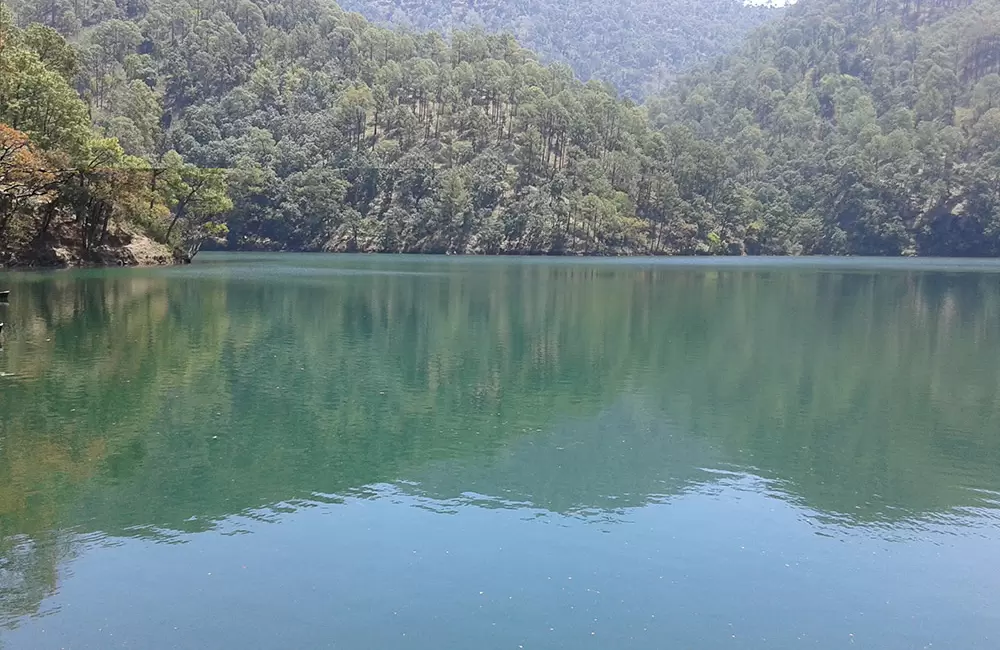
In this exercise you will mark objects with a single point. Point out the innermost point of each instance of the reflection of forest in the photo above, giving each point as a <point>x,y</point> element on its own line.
<point>139,402</point>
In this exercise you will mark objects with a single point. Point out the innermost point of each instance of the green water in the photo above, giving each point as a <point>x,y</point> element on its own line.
<point>371,452</point>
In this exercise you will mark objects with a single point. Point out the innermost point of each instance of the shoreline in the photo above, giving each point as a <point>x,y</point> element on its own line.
<point>145,253</point>
<point>29,266</point>
<point>123,248</point>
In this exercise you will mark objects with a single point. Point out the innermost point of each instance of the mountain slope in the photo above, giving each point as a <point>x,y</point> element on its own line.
<point>67,195</point>
<point>634,44</point>
<point>344,136</point>
<point>846,127</point>
<point>861,127</point>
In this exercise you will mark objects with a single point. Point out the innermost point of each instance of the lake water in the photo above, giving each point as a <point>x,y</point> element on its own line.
<point>293,451</point>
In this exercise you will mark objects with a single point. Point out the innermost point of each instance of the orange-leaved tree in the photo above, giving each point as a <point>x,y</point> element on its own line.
<point>26,185</point>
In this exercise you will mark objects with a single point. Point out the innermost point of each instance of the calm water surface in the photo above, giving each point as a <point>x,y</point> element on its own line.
<point>364,453</point>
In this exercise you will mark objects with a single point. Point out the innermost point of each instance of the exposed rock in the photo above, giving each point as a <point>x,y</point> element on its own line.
<point>63,247</point>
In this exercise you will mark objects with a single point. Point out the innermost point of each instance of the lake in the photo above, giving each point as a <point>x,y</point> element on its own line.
<point>304,451</point>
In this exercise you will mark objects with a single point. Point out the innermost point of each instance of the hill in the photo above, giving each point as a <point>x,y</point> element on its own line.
<point>68,195</point>
<point>859,127</point>
<point>345,136</point>
<point>845,127</point>
<point>636,45</point>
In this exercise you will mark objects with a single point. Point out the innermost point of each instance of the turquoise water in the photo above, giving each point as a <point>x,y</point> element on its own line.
<point>280,451</point>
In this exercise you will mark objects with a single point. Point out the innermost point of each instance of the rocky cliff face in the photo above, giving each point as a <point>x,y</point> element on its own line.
<point>64,247</point>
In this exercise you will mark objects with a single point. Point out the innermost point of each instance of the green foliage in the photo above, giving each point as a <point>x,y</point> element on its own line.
<point>859,128</point>
<point>345,136</point>
<point>34,97</point>
<point>194,197</point>
<point>636,45</point>
<point>63,186</point>
<point>842,128</point>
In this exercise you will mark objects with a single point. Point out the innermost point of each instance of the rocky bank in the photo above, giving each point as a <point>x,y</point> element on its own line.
<point>121,246</point>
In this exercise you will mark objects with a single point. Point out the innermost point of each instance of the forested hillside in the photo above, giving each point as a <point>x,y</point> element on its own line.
<point>344,136</point>
<point>636,45</point>
<point>69,195</point>
<point>861,127</point>
<point>846,127</point>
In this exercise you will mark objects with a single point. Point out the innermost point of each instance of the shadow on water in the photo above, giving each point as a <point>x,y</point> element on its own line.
<point>151,403</point>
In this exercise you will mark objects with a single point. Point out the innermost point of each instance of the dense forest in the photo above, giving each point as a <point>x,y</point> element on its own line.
<point>844,127</point>
<point>343,136</point>
<point>636,45</point>
<point>71,195</point>
<point>860,127</point>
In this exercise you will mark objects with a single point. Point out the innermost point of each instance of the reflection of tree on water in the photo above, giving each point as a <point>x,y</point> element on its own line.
<point>592,466</point>
<point>169,402</point>
<point>29,570</point>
